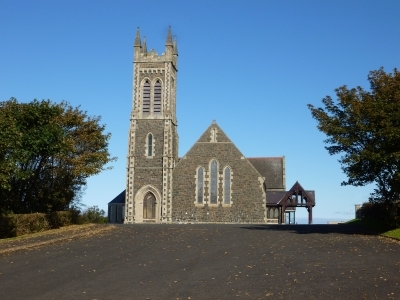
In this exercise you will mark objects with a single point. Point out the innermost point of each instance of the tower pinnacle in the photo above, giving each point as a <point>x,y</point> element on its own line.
<point>144,46</point>
<point>169,38</point>
<point>137,39</point>
<point>175,51</point>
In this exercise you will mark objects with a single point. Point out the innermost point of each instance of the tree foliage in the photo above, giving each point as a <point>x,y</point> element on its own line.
<point>364,127</point>
<point>93,214</point>
<point>47,152</point>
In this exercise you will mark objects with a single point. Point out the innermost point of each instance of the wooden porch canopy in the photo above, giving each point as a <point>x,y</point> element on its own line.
<point>295,197</point>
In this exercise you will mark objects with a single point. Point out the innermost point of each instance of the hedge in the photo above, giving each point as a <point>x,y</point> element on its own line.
<point>14,225</point>
<point>20,224</point>
<point>59,219</point>
<point>386,213</point>
<point>17,225</point>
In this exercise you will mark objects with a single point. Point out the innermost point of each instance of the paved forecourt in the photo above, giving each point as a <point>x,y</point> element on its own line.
<point>208,261</point>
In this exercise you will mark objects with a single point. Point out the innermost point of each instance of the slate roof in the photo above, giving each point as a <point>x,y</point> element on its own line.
<point>274,197</point>
<point>119,199</point>
<point>272,169</point>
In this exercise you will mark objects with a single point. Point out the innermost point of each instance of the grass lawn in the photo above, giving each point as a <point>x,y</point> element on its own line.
<point>394,233</point>
<point>377,226</point>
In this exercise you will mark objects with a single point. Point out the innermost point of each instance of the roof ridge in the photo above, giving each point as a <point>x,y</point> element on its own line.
<point>265,157</point>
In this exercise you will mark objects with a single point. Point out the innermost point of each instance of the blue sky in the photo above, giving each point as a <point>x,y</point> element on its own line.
<point>253,66</point>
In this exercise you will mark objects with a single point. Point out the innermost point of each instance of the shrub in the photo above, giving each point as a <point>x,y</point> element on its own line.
<point>59,219</point>
<point>6,226</point>
<point>385,213</point>
<point>75,216</point>
<point>20,224</point>
<point>93,214</point>
<point>13,225</point>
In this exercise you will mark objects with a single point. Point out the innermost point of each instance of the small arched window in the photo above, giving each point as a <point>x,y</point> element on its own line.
<point>227,185</point>
<point>146,97</point>
<point>200,185</point>
<point>214,182</point>
<point>276,213</point>
<point>150,145</point>
<point>157,97</point>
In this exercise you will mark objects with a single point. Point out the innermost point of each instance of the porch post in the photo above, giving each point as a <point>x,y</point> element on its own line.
<point>282,219</point>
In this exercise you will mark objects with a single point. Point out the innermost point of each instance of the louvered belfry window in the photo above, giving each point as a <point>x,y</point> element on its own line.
<point>146,97</point>
<point>214,182</point>
<point>157,97</point>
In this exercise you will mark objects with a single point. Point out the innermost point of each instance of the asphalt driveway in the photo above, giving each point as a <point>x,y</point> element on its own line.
<point>208,261</point>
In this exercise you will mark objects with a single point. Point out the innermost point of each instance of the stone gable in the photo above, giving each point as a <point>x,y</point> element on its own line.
<point>216,131</point>
<point>247,191</point>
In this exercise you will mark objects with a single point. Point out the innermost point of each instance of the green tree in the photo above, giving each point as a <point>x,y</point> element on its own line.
<point>93,214</point>
<point>364,127</point>
<point>47,152</point>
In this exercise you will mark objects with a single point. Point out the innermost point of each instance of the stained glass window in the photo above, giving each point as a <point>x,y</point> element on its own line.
<point>214,182</point>
<point>200,185</point>
<point>227,185</point>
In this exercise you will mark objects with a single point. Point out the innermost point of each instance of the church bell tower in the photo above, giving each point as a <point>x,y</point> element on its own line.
<point>153,138</point>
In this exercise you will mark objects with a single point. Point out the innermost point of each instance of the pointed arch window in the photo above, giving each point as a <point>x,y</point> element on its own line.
<point>227,185</point>
<point>146,97</point>
<point>213,182</point>
<point>150,145</point>
<point>157,97</point>
<point>200,185</point>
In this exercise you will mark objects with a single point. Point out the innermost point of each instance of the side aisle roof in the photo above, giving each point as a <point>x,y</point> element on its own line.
<point>272,169</point>
<point>119,199</point>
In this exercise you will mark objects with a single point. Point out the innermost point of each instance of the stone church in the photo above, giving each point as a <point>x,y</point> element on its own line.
<point>212,182</point>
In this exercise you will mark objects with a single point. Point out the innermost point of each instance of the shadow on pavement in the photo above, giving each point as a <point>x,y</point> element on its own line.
<point>323,229</point>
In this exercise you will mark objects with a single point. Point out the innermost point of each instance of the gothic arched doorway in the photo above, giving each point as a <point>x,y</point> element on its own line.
<point>149,206</point>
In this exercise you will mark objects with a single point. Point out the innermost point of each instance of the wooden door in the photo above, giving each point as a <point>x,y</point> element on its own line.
<point>149,206</point>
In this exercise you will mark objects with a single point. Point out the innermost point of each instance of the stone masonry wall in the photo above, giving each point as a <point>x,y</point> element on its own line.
<point>247,195</point>
<point>148,170</point>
